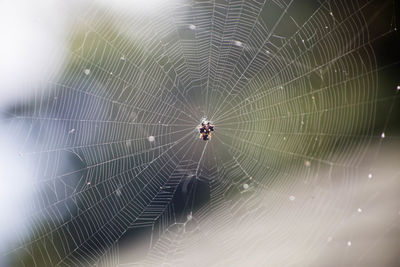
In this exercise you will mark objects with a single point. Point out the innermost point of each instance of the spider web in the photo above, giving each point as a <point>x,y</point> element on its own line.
<point>291,87</point>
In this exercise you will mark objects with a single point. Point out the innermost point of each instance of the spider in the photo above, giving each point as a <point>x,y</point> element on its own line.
<point>205,130</point>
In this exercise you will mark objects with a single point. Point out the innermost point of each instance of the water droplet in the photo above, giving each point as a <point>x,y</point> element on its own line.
<point>192,27</point>
<point>238,43</point>
<point>71,131</point>
<point>359,210</point>
<point>151,138</point>
<point>292,198</point>
<point>349,243</point>
<point>118,192</point>
<point>246,186</point>
<point>86,71</point>
<point>307,163</point>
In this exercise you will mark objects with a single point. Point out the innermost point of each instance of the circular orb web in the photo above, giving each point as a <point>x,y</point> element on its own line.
<point>288,101</point>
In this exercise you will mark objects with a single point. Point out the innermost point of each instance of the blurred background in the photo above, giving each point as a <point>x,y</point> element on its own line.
<point>101,163</point>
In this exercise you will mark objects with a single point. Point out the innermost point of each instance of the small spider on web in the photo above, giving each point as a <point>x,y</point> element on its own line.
<point>205,130</point>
